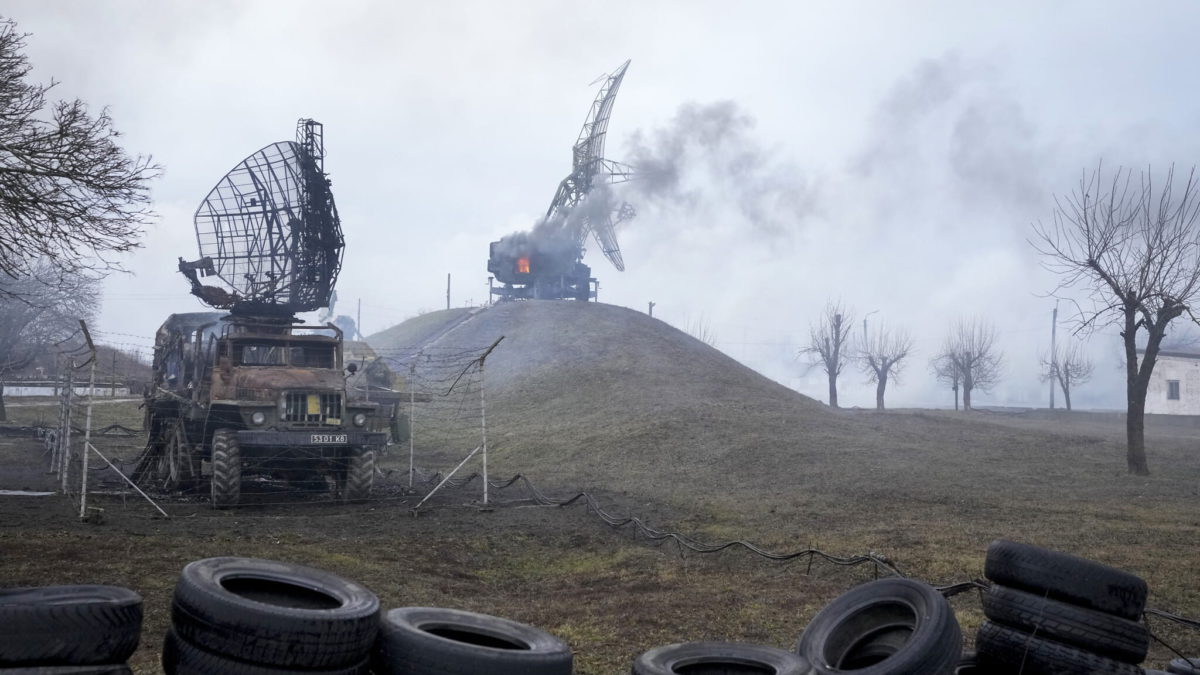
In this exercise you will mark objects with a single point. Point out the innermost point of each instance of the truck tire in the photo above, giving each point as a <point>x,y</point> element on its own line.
<point>1066,577</point>
<point>226,469</point>
<point>1105,634</point>
<point>1008,649</point>
<point>885,627</point>
<point>433,641</point>
<point>274,613</point>
<point>180,657</point>
<point>719,658</point>
<point>360,475</point>
<point>69,625</point>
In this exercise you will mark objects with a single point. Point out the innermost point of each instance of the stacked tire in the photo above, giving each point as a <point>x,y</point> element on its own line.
<point>56,630</point>
<point>245,616</point>
<point>1051,612</point>
<point>436,641</point>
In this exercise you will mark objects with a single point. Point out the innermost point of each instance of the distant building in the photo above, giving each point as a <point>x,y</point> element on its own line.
<point>1175,383</point>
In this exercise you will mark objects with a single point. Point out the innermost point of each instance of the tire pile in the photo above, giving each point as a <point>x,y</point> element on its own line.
<point>61,630</point>
<point>244,616</point>
<point>1051,612</point>
<point>1048,613</point>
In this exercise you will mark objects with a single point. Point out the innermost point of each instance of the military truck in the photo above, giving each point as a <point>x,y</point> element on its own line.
<point>256,396</point>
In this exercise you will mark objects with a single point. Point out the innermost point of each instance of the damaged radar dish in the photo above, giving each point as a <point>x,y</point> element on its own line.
<point>546,263</point>
<point>270,232</point>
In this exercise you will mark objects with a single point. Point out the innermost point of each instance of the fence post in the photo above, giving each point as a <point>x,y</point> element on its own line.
<point>412,415</point>
<point>64,439</point>
<point>483,417</point>
<point>87,426</point>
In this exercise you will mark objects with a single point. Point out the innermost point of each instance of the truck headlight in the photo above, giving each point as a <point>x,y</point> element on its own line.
<point>359,419</point>
<point>258,418</point>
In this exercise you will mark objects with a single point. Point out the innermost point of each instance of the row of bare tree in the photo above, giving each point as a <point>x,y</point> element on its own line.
<point>968,360</point>
<point>1127,253</point>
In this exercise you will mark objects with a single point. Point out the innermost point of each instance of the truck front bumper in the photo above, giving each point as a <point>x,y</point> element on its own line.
<point>314,438</point>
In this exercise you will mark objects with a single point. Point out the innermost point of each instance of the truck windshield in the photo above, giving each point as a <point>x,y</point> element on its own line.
<point>298,356</point>
<point>261,355</point>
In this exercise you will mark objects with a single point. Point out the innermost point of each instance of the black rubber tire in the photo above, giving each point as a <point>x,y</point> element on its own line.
<point>1182,667</point>
<point>274,613</point>
<point>1001,647</point>
<point>719,658</point>
<point>435,641</point>
<point>101,669</point>
<point>885,627</point>
<point>68,625</point>
<point>180,657</point>
<point>1105,634</point>
<point>1066,577</point>
<point>360,475</point>
<point>226,469</point>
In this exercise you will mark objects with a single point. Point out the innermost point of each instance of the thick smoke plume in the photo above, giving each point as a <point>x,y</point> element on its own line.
<point>707,155</point>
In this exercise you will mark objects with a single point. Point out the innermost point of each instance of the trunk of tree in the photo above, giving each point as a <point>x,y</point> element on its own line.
<point>833,390</point>
<point>955,397</point>
<point>1067,397</point>
<point>3,412</point>
<point>1137,383</point>
<point>966,397</point>
<point>880,386</point>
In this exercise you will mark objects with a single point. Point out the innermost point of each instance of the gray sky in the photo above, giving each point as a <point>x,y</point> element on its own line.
<point>892,155</point>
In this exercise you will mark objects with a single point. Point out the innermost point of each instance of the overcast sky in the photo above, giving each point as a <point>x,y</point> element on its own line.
<point>890,155</point>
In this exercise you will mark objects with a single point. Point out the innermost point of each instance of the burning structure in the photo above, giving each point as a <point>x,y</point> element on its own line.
<point>547,262</point>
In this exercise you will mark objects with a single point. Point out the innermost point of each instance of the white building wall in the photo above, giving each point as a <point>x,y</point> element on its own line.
<point>1184,369</point>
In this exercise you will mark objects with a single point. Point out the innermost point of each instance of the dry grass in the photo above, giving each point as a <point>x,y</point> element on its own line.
<point>662,426</point>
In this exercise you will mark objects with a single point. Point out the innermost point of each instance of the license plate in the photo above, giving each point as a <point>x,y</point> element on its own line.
<point>328,438</point>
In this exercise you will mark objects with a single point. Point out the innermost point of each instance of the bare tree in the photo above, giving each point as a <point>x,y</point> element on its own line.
<point>1134,249</point>
<point>1068,366</point>
<point>39,310</point>
<point>970,357</point>
<point>882,358</point>
<point>946,371</point>
<point>69,194</point>
<point>829,345</point>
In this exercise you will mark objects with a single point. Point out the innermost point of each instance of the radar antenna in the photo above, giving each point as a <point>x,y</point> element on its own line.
<point>591,169</point>
<point>270,231</point>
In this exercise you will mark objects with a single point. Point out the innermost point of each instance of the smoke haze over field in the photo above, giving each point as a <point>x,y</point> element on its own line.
<point>892,157</point>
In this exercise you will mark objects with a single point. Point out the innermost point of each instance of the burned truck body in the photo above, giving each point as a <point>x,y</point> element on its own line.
<point>540,268</point>
<point>251,391</point>
<point>256,397</point>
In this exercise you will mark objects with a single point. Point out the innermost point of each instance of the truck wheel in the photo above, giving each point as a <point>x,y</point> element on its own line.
<point>178,466</point>
<point>226,469</point>
<point>360,474</point>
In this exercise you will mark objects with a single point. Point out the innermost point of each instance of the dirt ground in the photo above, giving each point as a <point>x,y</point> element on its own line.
<point>927,489</point>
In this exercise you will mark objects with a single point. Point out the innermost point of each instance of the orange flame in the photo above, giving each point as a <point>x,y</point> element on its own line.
<point>523,265</point>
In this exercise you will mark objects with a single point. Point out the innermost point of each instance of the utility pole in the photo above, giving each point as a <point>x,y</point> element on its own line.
<point>447,290</point>
<point>651,311</point>
<point>358,320</point>
<point>1053,354</point>
<point>865,326</point>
